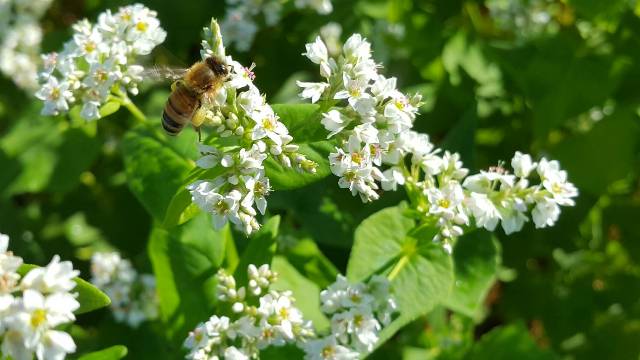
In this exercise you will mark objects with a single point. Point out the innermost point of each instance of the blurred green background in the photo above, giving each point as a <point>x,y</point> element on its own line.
<point>494,82</point>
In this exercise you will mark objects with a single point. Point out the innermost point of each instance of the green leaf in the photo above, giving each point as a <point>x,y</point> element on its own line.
<point>303,122</point>
<point>112,353</point>
<point>307,258</point>
<point>109,108</point>
<point>50,155</point>
<point>180,210</point>
<point>287,179</point>
<point>618,134</point>
<point>506,343</point>
<point>476,258</point>
<point>261,248</point>
<point>421,271</point>
<point>154,168</point>
<point>306,293</point>
<point>185,261</point>
<point>89,296</point>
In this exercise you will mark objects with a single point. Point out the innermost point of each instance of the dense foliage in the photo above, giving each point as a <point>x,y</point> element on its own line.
<point>556,79</point>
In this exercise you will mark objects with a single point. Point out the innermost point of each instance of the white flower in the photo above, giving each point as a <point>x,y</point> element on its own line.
<point>545,213</point>
<point>37,314</point>
<point>55,345</point>
<point>312,90</point>
<point>522,164</point>
<point>445,202</point>
<point>328,349</point>
<point>513,217</point>
<point>392,178</point>
<point>317,51</point>
<point>224,208</point>
<point>55,277</point>
<point>483,210</point>
<point>267,125</point>
<point>357,47</point>
<point>355,91</point>
<point>210,157</point>
<point>232,353</point>
<point>334,122</point>
<point>56,96</point>
<point>555,181</point>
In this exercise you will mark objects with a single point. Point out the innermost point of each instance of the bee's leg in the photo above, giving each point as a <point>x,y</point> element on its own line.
<point>198,129</point>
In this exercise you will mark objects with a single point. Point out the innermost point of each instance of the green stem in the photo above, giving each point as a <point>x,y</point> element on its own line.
<point>127,103</point>
<point>397,268</point>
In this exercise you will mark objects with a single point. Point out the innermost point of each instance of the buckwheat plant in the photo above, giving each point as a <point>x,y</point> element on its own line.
<point>256,318</point>
<point>371,121</point>
<point>33,306</point>
<point>246,132</point>
<point>358,312</point>
<point>20,39</point>
<point>133,295</point>
<point>99,63</point>
<point>242,18</point>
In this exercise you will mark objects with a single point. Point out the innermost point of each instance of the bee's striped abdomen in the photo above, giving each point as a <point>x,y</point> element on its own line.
<point>179,109</point>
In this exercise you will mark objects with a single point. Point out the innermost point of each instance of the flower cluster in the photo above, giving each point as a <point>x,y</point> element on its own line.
<point>247,131</point>
<point>133,296</point>
<point>372,122</point>
<point>368,115</point>
<point>20,39</point>
<point>449,198</point>
<point>258,318</point>
<point>98,63</point>
<point>240,23</point>
<point>527,19</point>
<point>31,307</point>
<point>358,312</point>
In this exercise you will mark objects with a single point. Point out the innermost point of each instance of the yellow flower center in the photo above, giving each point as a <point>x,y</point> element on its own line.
<point>90,46</point>
<point>356,158</point>
<point>38,317</point>
<point>268,124</point>
<point>55,94</point>
<point>556,187</point>
<point>222,207</point>
<point>444,203</point>
<point>142,26</point>
<point>328,352</point>
<point>284,313</point>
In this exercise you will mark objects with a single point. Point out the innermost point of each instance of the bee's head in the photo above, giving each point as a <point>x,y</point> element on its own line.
<point>218,66</point>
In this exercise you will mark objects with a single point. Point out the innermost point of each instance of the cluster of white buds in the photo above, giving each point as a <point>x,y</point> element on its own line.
<point>372,121</point>
<point>258,319</point>
<point>133,296</point>
<point>247,131</point>
<point>526,19</point>
<point>20,39</point>
<point>367,115</point>
<point>358,313</point>
<point>449,198</point>
<point>240,23</point>
<point>31,307</point>
<point>99,63</point>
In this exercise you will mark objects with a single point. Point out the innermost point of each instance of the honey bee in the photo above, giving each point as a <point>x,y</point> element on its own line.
<point>192,87</point>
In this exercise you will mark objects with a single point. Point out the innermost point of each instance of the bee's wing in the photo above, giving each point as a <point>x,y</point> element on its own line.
<point>163,73</point>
